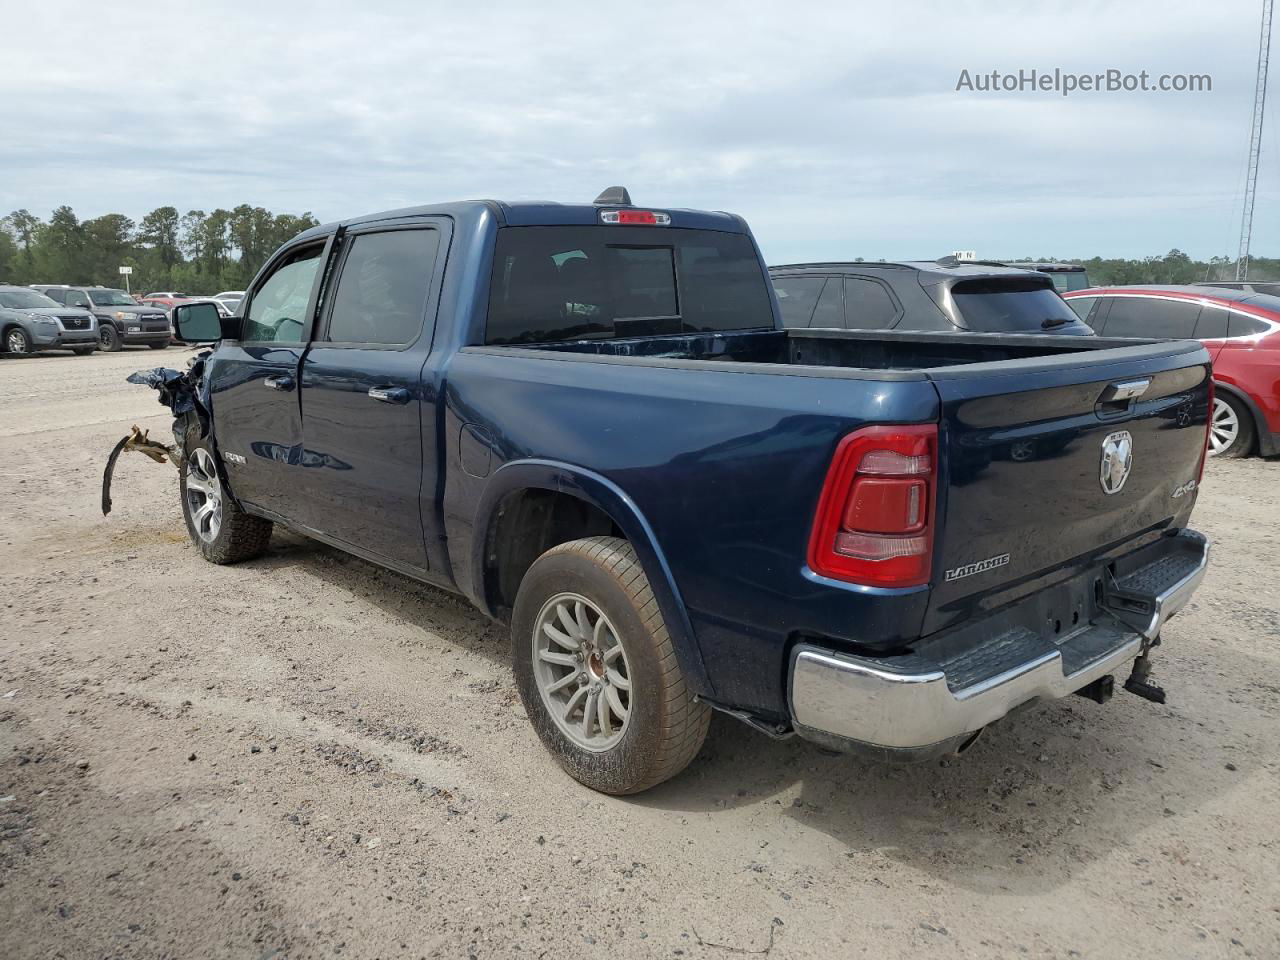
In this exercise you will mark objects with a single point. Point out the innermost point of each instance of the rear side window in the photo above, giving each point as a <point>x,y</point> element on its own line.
<point>867,305</point>
<point>1150,317</point>
<point>599,282</point>
<point>797,296</point>
<point>382,291</point>
<point>1212,324</point>
<point>830,310</point>
<point>1240,325</point>
<point>1082,306</point>
<point>59,296</point>
<point>1010,305</point>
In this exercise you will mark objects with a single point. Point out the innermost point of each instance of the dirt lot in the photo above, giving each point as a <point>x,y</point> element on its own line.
<point>305,756</point>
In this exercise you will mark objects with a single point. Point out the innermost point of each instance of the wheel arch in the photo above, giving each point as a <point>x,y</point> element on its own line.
<point>551,486</point>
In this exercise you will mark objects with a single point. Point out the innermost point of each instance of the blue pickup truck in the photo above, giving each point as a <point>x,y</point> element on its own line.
<point>589,420</point>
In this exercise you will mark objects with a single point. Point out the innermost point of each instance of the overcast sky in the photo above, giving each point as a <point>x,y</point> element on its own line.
<point>835,130</point>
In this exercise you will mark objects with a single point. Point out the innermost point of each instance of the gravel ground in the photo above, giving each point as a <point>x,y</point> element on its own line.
<point>306,756</point>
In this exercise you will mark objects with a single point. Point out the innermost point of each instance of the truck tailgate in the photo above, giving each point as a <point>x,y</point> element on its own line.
<point>1054,459</point>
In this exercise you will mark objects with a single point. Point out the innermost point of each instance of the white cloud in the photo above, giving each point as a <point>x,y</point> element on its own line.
<point>835,129</point>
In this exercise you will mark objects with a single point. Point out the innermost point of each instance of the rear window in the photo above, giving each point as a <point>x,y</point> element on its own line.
<point>562,283</point>
<point>1010,305</point>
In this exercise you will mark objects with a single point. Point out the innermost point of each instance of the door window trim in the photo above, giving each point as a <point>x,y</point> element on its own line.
<point>317,285</point>
<point>443,226</point>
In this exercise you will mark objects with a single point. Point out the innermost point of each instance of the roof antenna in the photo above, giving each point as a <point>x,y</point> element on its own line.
<point>614,197</point>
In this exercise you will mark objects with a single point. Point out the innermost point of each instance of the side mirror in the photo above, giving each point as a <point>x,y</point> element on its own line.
<point>197,322</point>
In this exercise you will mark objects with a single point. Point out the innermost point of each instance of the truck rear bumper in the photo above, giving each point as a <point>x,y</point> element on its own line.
<point>927,703</point>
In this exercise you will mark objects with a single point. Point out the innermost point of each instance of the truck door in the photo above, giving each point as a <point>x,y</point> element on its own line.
<point>365,411</point>
<point>254,381</point>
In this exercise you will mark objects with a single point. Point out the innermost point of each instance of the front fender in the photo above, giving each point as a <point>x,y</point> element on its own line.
<point>608,497</point>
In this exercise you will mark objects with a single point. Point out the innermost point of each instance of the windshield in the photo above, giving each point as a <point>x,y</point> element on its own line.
<point>601,282</point>
<point>25,300</point>
<point>111,298</point>
<point>1005,305</point>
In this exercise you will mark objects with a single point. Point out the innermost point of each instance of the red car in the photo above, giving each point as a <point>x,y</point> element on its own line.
<point>166,299</point>
<point>1241,330</point>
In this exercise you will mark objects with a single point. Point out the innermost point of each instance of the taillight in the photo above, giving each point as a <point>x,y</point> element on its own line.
<point>636,218</point>
<point>1208,432</point>
<point>875,517</point>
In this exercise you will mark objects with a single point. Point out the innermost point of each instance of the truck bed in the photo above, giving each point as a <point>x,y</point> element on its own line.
<point>885,351</point>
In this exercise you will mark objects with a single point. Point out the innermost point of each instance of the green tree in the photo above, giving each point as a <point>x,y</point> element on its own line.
<point>108,243</point>
<point>159,230</point>
<point>25,228</point>
<point>60,248</point>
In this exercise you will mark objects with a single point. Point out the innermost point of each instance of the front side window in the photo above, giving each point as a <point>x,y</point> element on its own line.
<point>599,282</point>
<point>1151,317</point>
<point>111,298</point>
<point>278,312</point>
<point>77,298</point>
<point>383,289</point>
<point>24,300</point>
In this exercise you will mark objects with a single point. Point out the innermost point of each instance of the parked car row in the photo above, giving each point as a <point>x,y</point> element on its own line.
<point>62,316</point>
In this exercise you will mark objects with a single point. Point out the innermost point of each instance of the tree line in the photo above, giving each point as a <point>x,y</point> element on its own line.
<point>195,252</point>
<point>204,253</point>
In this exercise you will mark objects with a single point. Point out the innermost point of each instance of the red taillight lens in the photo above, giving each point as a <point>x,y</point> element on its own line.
<point>874,524</point>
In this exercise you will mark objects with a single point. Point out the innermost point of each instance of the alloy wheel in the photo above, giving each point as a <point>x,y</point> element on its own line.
<point>204,495</point>
<point>1225,427</point>
<point>581,671</point>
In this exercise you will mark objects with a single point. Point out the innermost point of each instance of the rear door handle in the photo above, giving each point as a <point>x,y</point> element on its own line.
<point>396,395</point>
<point>282,382</point>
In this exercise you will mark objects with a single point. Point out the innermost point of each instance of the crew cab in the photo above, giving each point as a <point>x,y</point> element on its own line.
<point>589,420</point>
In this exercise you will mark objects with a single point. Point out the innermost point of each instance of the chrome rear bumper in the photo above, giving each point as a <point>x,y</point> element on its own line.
<point>923,704</point>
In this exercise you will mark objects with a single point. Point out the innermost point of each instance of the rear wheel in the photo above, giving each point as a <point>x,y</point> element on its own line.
<point>218,527</point>
<point>109,338</point>
<point>597,670</point>
<point>16,341</point>
<point>1231,431</point>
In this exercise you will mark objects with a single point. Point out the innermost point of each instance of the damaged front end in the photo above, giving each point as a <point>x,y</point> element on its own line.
<point>185,395</point>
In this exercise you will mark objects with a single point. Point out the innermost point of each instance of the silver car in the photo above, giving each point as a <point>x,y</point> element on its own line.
<point>30,321</point>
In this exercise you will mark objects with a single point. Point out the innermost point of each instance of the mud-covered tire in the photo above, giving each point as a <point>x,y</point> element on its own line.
<point>239,535</point>
<point>665,725</point>
<point>109,339</point>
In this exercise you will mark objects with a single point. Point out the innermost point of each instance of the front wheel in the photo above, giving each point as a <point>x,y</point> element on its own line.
<point>217,526</point>
<point>17,342</point>
<point>1231,430</point>
<point>109,338</point>
<point>158,346</point>
<point>83,351</point>
<point>597,670</point>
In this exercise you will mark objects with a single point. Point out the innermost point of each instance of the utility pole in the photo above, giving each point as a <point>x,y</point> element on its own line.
<point>1255,140</point>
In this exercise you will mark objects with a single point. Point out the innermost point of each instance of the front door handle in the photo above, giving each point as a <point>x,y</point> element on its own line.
<point>282,382</point>
<point>396,395</point>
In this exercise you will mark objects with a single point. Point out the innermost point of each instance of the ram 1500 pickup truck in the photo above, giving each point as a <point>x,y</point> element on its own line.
<point>589,420</point>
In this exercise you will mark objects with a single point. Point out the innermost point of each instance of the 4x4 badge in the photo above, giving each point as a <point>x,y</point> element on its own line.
<point>1117,458</point>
